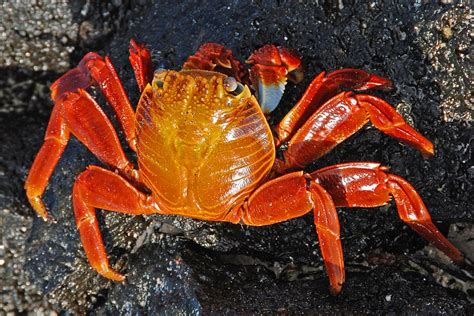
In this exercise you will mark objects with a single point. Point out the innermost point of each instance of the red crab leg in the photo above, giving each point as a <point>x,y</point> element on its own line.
<point>79,114</point>
<point>93,69</point>
<point>338,119</point>
<point>101,188</point>
<point>55,140</point>
<point>294,195</point>
<point>321,89</point>
<point>365,184</point>
<point>140,60</point>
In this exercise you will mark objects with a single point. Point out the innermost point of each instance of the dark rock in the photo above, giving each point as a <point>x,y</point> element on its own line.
<point>178,265</point>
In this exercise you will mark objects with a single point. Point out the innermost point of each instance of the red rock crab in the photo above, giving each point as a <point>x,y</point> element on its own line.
<point>205,149</point>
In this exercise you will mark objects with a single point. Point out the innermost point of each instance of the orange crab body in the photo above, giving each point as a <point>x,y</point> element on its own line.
<point>201,150</point>
<point>205,149</point>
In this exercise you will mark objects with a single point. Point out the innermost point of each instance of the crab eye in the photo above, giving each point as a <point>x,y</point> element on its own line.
<point>159,84</point>
<point>156,75</point>
<point>233,86</point>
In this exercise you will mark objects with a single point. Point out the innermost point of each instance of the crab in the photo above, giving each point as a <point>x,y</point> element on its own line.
<point>205,150</point>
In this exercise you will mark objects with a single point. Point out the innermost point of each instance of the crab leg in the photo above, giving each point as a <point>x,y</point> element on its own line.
<point>104,189</point>
<point>365,184</point>
<point>95,70</point>
<point>55,140</point>
<point>79,114</point>
<point>140,60</point>
<point>321,89</point>
<point>341,117</point>
<point>294,195</point>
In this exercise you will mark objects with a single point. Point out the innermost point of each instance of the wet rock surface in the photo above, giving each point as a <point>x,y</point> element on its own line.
<point>176,264</point>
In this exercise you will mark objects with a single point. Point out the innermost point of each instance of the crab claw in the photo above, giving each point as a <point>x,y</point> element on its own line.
<point>216,57</point>
<point>272,67</point>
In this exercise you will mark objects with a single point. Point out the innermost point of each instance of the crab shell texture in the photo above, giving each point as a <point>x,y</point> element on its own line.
<point>201,149</point>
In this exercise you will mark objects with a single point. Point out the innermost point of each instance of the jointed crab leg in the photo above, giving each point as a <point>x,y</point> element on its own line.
<point>95,70</point>
<point>385,118</point>
<point>79,114</point>
<point>294,195</point>
<point>76,111</point>
<point>140,60</point>
<point>321,89</point>
<point>341,117</point>
<point>100,188</point>
<point>55,140</point>
<point>365,184</point>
